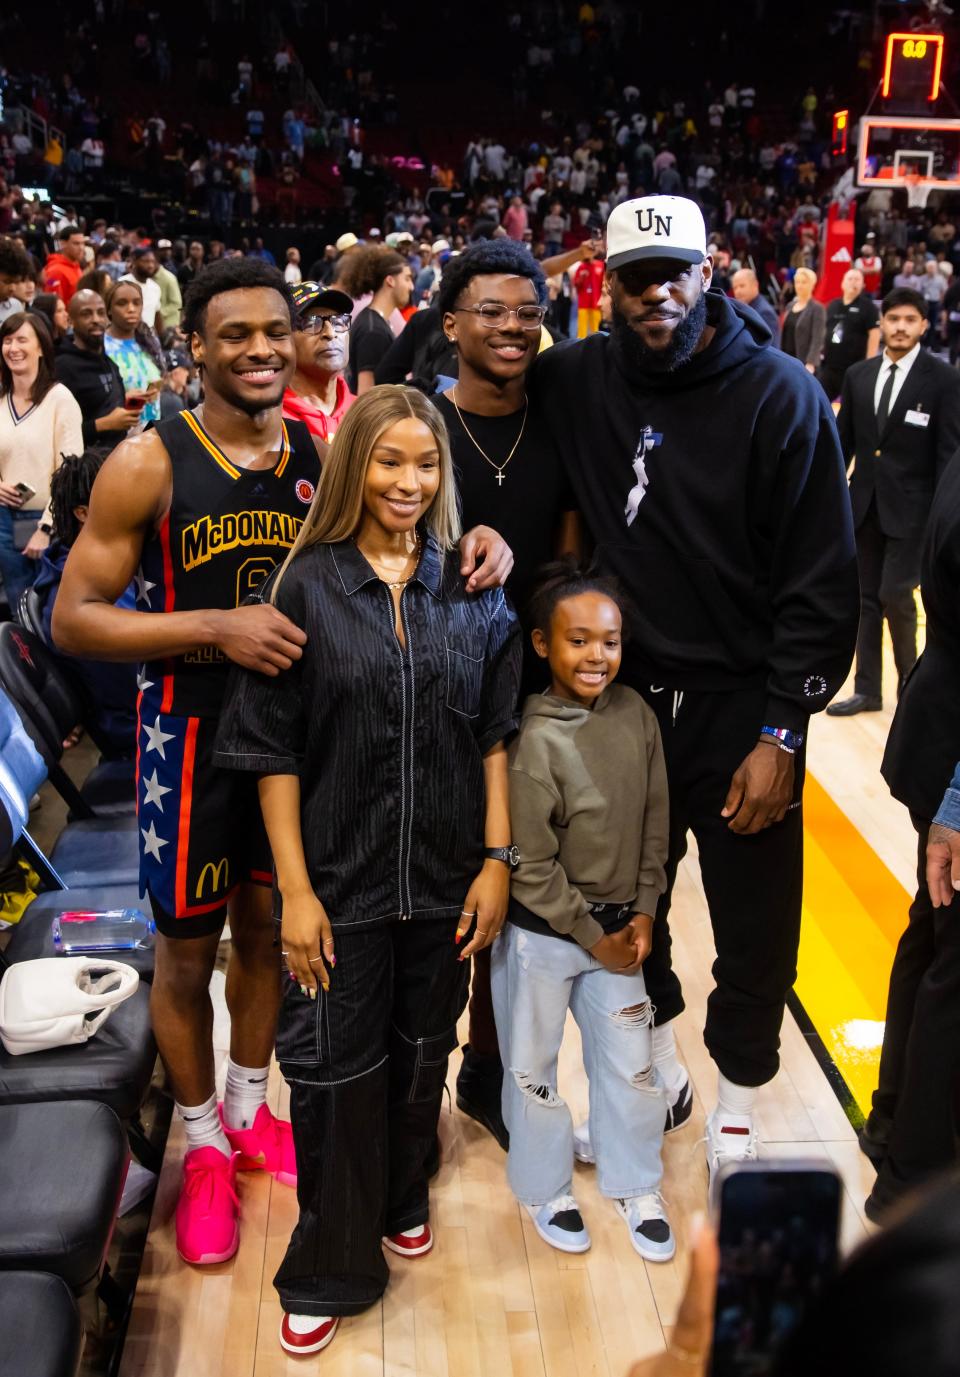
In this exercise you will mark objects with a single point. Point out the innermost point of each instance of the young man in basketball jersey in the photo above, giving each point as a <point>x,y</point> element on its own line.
<point>200,509</point>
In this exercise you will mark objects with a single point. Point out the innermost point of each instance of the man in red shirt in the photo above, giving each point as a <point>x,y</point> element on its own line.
<point>63,270</point>
<point>318,394</point>
<point>870,265</point>
<point>588,281</point>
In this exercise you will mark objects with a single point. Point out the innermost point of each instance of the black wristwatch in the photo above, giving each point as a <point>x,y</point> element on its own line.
<point>46,527</point>
<point>510,855</point>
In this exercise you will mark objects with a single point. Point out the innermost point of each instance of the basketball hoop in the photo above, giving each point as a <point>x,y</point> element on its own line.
<point>917,190</point>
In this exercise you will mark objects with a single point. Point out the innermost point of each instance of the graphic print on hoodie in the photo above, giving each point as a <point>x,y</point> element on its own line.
<point>738,547</point>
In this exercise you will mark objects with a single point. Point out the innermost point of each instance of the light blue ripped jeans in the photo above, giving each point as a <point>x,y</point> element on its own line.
<point>535,980</point>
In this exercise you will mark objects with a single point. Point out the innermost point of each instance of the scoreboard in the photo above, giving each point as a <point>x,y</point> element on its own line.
<point>911,69</point>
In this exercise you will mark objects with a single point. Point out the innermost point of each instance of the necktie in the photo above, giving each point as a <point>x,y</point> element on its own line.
<point>883,410</point>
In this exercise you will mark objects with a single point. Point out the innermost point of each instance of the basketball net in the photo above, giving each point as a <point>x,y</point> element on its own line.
<point>917,191</point>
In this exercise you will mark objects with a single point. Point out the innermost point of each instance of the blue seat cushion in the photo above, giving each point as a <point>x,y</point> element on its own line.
<point>98,851</point>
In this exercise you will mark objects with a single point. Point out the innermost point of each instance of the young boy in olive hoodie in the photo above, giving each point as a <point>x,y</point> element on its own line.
<point>590,817</point>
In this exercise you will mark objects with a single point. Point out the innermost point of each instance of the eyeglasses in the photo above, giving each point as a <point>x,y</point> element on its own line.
<point>313,325</point>
<point>494,316</point>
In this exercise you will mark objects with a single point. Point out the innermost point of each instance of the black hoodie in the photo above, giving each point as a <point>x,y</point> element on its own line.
<point>94,379</point>
<point>717,493</point>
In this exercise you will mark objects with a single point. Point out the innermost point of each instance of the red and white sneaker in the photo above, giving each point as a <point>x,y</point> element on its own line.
<point>267,1146</point>
<point>412,1242</point>
<point>208,1211</point>
<point>303,1334</point>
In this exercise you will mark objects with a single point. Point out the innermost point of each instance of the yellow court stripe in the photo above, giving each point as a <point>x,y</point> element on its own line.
<point>854,910</point>
<point>877,888</point>
<point>208,445</point>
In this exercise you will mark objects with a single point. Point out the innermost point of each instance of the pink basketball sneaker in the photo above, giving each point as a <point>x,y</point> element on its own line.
<point>208,1211</point>
<point>268,1146</point>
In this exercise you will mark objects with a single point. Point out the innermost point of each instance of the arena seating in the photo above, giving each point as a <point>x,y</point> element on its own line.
<point>40,1330</point>
<point>68,1116</point>
<point>51,709</point>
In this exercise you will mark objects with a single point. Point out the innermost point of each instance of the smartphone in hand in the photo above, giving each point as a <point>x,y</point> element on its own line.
<point>25,491</point>
<point>779,1228</point>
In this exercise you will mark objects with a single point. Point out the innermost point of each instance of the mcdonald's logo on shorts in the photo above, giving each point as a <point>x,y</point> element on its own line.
<point>220,874</point>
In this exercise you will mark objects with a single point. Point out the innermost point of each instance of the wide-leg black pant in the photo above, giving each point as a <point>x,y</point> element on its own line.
<point>916,1107</point>
<point>366,1063</point>
<point>753,884</point>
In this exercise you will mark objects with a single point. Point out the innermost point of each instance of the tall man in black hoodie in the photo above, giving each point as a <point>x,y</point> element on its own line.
<point>708,471</point>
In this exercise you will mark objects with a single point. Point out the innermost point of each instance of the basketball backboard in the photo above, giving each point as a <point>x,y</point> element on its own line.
<point>896,151</point>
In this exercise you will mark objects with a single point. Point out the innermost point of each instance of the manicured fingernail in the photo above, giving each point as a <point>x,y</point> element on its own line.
<point>304,990</point>
<point>291,974</point>
<point>326,987</point>
<point>313,994</point>
<point>459,937</point>
<point>333,961</point>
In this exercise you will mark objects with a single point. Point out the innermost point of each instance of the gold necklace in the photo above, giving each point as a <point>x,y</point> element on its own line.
<point>400,583</point>
<point>499,467</point>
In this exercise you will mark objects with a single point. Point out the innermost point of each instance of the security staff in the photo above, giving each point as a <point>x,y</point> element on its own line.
<point>707,470</point>
<point>899,423</point>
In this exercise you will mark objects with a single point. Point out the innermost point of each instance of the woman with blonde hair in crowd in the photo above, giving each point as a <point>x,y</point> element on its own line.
<point>805,322</point>
<point>383,783</point>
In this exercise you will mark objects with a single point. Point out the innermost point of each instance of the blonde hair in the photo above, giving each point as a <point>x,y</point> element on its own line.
<point>337,508</point>
<point>806,272</point>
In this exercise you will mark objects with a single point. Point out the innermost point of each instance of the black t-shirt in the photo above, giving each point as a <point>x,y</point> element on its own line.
<point>845,342</point>
<point>370,338</point>
<point>525,508</point>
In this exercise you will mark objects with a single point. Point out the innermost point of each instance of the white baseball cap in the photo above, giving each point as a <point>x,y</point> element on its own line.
<point>655,227</point>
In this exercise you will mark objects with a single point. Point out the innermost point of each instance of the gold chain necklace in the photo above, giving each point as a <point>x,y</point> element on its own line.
<point>400,583</point>
<point>499,467</point>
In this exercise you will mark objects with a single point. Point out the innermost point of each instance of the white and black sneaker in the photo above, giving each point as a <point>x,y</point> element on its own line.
<point>560,1223</point>
<point>680,1108</point>
<point>650,1231</point>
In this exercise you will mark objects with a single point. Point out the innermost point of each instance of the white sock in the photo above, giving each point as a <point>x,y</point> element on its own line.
<point>246,1091</point>
<point>672,1071</point>
<point>305,1324</point>
<point>736,1101</point>
<point>203,1127</point>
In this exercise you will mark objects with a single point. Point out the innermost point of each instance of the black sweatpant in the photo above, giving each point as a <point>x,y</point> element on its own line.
<point>366,1064</point>
<point>753,884</point>
<point>916,1107</point>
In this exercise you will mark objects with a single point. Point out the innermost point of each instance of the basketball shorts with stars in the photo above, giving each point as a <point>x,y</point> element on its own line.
<point>201,830</point>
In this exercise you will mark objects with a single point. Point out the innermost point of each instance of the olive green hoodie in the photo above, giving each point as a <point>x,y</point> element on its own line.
<point>588,809</point>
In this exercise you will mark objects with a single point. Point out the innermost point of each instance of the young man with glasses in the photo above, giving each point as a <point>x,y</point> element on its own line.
<point>318,393</point>
<point>491,304</point>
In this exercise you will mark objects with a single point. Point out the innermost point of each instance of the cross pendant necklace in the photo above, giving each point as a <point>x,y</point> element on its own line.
<point>499,467</point>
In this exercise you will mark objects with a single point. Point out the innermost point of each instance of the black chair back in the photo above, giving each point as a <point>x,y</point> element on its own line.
<point>29,613</point>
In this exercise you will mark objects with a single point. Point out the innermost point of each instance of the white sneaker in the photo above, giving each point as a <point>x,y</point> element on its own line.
<point>650,1231</point>
<point>730,1138</point>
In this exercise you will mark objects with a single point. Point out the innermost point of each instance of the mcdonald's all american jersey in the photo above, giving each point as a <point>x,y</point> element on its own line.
<point>201,833</point>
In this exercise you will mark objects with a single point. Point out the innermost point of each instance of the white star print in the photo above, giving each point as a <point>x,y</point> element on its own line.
<point>151,842</point>
<point>143,587</point>
<point>154,791</point>
<point>156,736</point>
<point>143,683</point>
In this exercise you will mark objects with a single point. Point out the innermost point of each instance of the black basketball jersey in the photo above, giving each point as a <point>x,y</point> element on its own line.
<point>226,529</point>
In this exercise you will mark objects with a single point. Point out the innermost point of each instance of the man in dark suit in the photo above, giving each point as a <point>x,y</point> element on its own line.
<point>914,1126</point>
<point>899,421</point>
